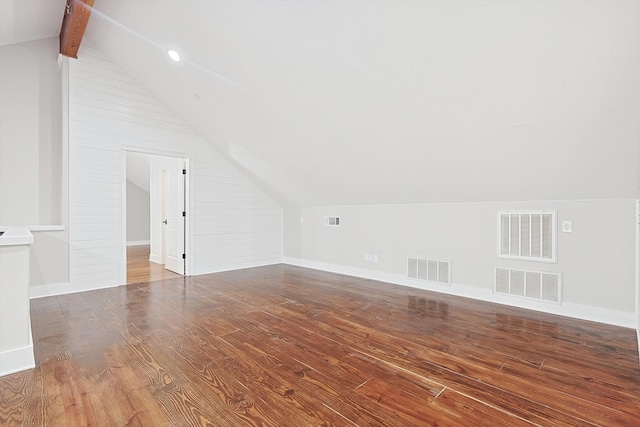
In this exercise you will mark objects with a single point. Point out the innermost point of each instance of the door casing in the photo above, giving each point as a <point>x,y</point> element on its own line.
<point>188,195</point>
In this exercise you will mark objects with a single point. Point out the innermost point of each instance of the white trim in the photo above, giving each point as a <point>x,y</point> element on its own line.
<point>43,291</point>
<point>18,359</point>
<point>241,266</point>
<point>154,152</point>
<point>64,205</point>
<point>188,232</point>
<point>14,236</point>
<point>138,242</point>
<point>190,205</point>
<point>637,325</point>
<point>594,314</point>
<point>497,202</point>
<point>46,228</point>
<point>155,258</point>
<point>122,271</point>
<point>55,289</point>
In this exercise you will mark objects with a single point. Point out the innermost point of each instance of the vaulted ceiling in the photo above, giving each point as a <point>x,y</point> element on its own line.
<point>375,102</point>
<point>27,20</point>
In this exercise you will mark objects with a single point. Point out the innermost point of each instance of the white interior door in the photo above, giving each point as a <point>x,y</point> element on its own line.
<point>163,216</point>
<point>174,221</point>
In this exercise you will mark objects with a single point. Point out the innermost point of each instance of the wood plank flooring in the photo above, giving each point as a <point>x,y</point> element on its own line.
<point>287,346</point>
<point>140,269</point>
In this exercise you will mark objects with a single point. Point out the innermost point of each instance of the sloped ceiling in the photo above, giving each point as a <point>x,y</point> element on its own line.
<point>138,170</point>
<point>26,20</point>
<point>376,102</point>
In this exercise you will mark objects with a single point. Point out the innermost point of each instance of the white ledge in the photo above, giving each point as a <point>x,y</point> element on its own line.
<point>13,236</point>
<point>46,228</point>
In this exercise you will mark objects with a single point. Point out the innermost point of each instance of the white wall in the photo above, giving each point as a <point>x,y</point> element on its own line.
<point>30,134</point>
<point>233,224</point>
<point>597,260</point>
<point>19,123</point>
<point>138,169</point>
<point>137,215</point>
<point>138,198</point>
<point>49,258</point>
<point>31,153</point>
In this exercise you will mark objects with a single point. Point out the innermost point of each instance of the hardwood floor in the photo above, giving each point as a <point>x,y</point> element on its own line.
<point>287,346</point>
<point>140,269</point>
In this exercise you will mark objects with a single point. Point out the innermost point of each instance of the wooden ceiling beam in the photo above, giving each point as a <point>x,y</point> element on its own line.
<point>74,23</point>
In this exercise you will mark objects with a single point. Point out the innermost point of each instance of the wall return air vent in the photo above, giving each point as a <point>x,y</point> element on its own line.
<point>332,221</point>
<point>529,235</point>
<point>535,285</point>
<point>429,270</point>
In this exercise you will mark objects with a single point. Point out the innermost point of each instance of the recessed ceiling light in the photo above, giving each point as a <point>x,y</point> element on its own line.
<point>174,55</point>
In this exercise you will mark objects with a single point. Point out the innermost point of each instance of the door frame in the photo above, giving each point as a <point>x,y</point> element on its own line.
<point>189,204</point>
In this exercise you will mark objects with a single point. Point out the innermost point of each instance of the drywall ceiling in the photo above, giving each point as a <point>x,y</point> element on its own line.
<point>26,20</point>
<point>375,102</point>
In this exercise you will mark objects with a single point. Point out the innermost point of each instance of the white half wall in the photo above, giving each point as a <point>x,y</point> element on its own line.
<point>596,260</point>
<point>16,345</point>
<point>233,223</point>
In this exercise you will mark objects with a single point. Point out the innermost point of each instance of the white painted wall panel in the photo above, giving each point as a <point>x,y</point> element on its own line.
<point>234,223</point>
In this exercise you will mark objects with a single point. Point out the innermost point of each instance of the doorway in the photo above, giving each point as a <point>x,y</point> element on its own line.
<point>155,218</point>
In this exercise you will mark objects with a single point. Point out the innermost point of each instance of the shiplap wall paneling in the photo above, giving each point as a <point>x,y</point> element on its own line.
<point>234,223</point>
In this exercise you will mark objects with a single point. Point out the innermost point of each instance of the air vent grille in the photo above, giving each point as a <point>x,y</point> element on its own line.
<point>332,221</point>
<point>536,285</point>
<point>429,270</point>
<point>527,235</point>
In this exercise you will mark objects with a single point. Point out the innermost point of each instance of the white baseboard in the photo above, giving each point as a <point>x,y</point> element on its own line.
<point>16,360</point>
<point>44,291</point>
<point>638,271</point>
<point>155,258</point>
<point>594,314</point>
<point>241,266</point>
<point>139,243</point>
<point>51,290</point>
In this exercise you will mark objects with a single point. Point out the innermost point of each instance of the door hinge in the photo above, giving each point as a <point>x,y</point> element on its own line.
<point>184,256</point>
<point>184,213</point>
<point>184,171</point>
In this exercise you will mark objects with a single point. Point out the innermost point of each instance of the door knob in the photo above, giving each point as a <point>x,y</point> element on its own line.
<point>164,222</point>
